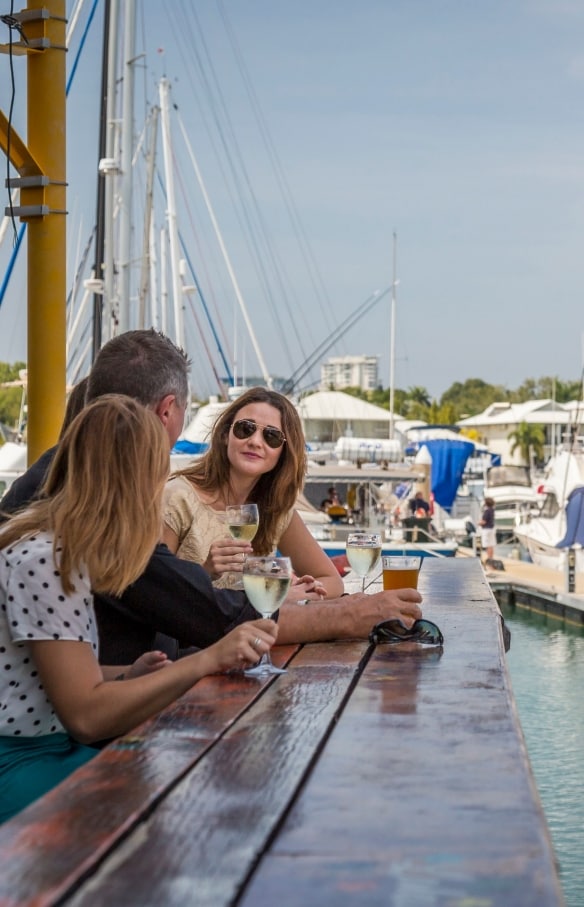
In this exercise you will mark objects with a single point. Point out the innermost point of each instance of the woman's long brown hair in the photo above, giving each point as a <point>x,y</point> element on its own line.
<point>103,495</point>
<point>276,491</point>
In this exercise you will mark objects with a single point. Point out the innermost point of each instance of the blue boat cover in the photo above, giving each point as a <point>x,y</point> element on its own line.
<point>574,519</point>
<point>190,447</point>
<point>448,461</point>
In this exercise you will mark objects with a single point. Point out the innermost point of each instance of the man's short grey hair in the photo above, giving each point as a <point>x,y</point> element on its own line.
<point>145,365</point>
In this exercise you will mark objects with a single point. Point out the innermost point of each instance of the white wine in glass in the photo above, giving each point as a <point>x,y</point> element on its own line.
<point>266,581</point>
<point>242,520</point>
<point>363,553</point>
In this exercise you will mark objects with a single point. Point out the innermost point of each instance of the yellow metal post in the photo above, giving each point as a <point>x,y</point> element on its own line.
<point>47,267</point>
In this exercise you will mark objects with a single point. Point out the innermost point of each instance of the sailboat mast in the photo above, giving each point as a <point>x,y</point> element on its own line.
<point>164,91</point>
<point>392,342</point>
<point>126,164</point>
<point>100,201</point>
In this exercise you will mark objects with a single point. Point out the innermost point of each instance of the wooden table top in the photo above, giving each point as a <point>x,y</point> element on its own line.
<point>388,775</point>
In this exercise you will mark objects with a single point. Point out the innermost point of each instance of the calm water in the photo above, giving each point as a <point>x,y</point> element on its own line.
<point>546,663</point>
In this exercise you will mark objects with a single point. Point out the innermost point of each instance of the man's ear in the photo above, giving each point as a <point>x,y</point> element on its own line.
<point>163,408</point>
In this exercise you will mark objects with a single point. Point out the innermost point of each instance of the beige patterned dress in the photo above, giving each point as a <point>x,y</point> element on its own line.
<point>197,525</point>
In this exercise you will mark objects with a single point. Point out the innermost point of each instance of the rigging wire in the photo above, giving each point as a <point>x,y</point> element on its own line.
<point>330,341</point>
<point>295,220</point>
<point>236,177</point>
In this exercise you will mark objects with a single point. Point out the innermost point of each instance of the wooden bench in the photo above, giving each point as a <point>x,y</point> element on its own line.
<point>389,775</point>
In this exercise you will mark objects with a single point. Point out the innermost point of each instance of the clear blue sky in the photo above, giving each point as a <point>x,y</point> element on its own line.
<point>458,125</point>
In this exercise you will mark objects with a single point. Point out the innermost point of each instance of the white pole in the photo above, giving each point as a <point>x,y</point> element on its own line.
<point>126,163</point>
<point>392,341</point>
<point>164,91</point>
<point>109,302</point>
<point>163,283</point>
<point>146,270</point>
<point>154,313</point>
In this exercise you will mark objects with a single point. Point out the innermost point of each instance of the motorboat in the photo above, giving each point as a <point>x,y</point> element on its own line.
<point>512,490</point>
<point>544,533</point>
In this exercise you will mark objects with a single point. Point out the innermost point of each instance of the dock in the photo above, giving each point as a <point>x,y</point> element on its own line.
<point>543,590</point>
<point>367,774</point>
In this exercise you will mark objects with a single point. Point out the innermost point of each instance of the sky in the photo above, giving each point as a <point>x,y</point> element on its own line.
<point>322,130</point>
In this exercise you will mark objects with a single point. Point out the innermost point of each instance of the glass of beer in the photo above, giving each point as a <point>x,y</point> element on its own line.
<point>400,571</point>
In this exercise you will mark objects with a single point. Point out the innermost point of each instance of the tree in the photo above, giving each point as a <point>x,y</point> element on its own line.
<point>10,397</point>
<point>529,439</point>
<point>472,396</point>
<point>547,388</point>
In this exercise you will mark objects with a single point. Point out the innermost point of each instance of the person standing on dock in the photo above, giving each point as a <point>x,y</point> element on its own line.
<point>487,524</point>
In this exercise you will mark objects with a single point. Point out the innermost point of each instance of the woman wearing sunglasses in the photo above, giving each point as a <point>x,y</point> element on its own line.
<point>257,455</point>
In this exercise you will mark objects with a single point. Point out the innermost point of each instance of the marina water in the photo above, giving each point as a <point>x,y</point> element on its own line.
<point>546,663</point>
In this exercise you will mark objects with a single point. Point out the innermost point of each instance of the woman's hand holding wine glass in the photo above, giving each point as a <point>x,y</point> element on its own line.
<point>226,555</point>
<point>266,581</point>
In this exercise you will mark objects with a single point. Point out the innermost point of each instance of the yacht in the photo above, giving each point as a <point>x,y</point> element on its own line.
<point>544,534</point>
<point>512,490</point>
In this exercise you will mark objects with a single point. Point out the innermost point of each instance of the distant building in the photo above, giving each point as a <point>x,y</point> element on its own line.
<point>499,420</point>
<point>349,371</point>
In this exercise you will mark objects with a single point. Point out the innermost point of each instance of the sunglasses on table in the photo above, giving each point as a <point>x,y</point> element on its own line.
<point>395,630</point>
<point>245,428</point>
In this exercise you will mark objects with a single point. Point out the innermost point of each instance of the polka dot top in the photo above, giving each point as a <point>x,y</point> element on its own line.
<point>33,606</point>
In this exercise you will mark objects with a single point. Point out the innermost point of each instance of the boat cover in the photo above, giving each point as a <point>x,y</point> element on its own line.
<point>448,461</point>
<point>190,447</point>
<point>574,519</point>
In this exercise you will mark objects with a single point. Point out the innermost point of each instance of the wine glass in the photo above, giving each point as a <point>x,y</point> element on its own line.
<point>242,520</point>
<point>363,553</point>
<point>266,581</point>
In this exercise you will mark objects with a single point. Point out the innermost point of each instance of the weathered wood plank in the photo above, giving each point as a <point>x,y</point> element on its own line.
<point>49,847</point>
<point>205,837</point>
<point>423,794</point>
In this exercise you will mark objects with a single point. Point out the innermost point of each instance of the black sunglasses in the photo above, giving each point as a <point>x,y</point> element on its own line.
<point>395,630</point>
<point>245,428</point>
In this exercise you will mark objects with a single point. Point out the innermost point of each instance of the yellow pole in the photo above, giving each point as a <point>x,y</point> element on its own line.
<point>47,269</point>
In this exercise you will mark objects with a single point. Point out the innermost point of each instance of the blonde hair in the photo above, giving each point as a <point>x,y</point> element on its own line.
<point>102,496</point>
<point>276,491</point>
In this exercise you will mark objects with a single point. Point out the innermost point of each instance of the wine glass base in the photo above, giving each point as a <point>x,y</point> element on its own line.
<point>263,670</point>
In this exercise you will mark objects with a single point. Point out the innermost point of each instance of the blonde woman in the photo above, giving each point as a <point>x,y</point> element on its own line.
<point>257,455</point>
<point>94,529</point>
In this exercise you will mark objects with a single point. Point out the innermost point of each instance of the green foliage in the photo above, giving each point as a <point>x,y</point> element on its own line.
<point>472,396</point>
<point>529,439</point>
<point>547,388</point>
<point>10,397</point>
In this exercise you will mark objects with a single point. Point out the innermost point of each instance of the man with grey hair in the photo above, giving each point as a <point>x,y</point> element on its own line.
<point>175,597</point>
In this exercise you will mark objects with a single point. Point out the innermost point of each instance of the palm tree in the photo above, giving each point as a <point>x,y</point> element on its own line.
<point>530,440</point>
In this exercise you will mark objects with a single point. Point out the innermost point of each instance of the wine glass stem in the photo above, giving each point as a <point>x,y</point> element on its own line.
<point>363,584</point>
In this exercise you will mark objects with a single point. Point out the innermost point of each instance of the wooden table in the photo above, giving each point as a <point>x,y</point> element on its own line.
<point>394,775</point>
